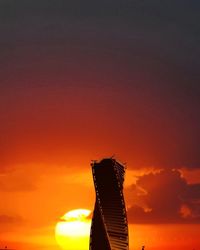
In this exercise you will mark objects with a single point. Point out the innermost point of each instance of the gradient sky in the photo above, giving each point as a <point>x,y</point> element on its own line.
<point>81,80</point>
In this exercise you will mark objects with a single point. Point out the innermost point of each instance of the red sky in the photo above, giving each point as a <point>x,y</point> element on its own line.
<point>87,80</point>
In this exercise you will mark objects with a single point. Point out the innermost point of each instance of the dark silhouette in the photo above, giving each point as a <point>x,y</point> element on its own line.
<point>109,228</point>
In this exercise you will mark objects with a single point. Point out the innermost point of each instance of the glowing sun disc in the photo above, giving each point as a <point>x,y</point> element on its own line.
<point>73,230</point>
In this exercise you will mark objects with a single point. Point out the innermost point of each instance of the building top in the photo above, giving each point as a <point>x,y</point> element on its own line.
<point>108,162</point>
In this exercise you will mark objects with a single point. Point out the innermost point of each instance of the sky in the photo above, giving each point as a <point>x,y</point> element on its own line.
<point>83,80</point>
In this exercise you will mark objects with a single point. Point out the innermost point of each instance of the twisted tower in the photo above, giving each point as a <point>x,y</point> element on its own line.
<point>109,229</point>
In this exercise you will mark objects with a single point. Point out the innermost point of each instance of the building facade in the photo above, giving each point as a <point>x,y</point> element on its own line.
<point>109,229</point>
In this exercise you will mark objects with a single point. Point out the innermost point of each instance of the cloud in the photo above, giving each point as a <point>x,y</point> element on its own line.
<point>18,178</point>
<point>164,197</point>
<point>9,222</point>
<point>7,219</point>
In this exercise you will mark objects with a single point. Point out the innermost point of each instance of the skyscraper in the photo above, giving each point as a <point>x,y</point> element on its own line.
<point>109,229</point>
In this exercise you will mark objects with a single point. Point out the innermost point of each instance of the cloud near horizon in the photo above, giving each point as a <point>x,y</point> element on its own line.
<point>10,222</point>
<point>164,198</point>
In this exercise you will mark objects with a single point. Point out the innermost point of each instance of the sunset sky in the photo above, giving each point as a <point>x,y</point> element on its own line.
<point>82,80</point>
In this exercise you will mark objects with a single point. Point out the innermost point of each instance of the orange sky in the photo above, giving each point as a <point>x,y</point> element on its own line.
<point>83,80</point>
<point>50,135</point>
<point>36,196</point>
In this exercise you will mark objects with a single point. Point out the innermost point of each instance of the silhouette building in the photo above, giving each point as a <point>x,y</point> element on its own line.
<point>109,228</point>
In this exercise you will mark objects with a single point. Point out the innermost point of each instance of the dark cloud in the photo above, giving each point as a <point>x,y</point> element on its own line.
<point>166,197</point>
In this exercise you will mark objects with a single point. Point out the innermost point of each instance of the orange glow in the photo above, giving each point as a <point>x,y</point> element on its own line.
<point>34,227</point>
<point>85,80</point>
<point>74,230</point>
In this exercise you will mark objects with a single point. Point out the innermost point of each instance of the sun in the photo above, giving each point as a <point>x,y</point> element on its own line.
<point>73,230</point>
